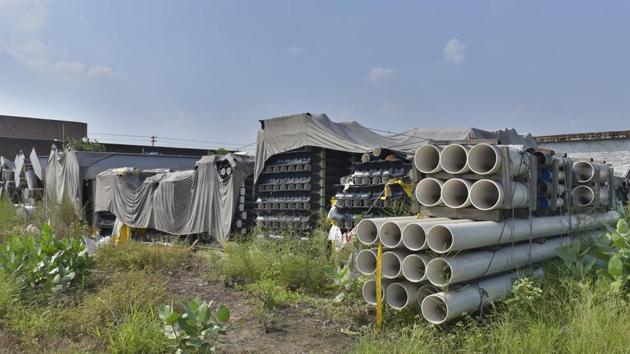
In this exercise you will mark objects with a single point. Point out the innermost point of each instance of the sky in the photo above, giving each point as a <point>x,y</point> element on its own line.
<point>207,71</point>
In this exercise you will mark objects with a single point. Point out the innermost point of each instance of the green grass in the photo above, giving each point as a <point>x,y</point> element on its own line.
<point>136,256</point>
<point>140,332</point>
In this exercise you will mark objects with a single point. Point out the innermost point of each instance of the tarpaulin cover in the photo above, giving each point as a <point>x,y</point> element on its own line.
<point>39,164</point>
<point>179,203</point>
<point>67,170</point>
<point>283,134</point>
<point>19,167</point>
<point>6,164</point>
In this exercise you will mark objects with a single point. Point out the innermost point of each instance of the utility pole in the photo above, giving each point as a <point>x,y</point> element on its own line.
<point>153,137</point>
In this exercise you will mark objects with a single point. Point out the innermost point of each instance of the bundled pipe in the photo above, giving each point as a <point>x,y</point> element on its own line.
<point>444,271</point>
<point>400,295</point>
<point>486,159</point>
<point>456,193</point>
<point>487,194</point>
<point>367,229</point>
<point>414,267</point>
<point>444,306</point>
<point>391,263</point>
<point>390,232</point>
<point>585,171</point>
<point>424,291</point>
<point>429,192</point>
<point>584,196</point>
<point>414,233</point>
<point>427,159</point>
<point>369,291</point>
<point>443,238</point>
<point>454,159</point>
<point>366,261</point>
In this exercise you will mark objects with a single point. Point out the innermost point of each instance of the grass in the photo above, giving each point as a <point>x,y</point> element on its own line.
<point>135,256</point>
<point>140,332</point>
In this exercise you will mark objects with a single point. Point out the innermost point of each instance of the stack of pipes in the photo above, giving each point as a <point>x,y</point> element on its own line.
<point>447,267</point>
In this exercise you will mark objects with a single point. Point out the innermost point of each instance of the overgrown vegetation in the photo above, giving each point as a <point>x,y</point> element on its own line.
<point>86,144</point>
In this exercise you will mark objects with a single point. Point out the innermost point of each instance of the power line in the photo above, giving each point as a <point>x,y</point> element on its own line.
<point>157,138</point>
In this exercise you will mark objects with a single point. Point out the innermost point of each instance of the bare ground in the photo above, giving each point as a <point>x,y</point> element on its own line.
<point>296,329</point>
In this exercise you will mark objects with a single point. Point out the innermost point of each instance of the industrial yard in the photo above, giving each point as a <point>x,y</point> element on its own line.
<point>228,177</point>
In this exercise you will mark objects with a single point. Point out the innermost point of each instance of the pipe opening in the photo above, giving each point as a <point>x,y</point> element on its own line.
<point>483,159</point>
<point>390,234</point>
<point>439,272</point>
<point>584,171</point>
<point>454,158</point>
<point>440,239</point>
<point>413,268</point>
<point>486,194</point>
<point>367,232</point>
<point>413,237</point>
<point>425,291</point>
<point>390,265</point>
<point>366,262</point>
<point>455,193</point>
<point>369,292</point>
<point>434,309</point>
<point>544,187</point>
<point>427,158</point>
<point>583,196</point>
<point>396,296</point>
<point>429,192</point>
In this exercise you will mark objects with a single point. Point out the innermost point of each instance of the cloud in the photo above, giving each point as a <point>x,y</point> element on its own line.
<point>295,50</point>
<point>37,57</point>
<point>24,15</point>
<point>454,51</point>
<point>380,73</point>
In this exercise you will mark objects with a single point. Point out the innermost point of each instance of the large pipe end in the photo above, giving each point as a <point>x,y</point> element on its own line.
<point>367,232</point>
<point>439,272</point>
<point>366,261</point>
<point>427,159</point>
<point>484,159</point>
<point>414,238</point>
<point>584,171</point>
<point>440,239</point>
<point>456,193</point>
<point>429,192</point>
<point>434,309</point>
<point>390,234</point>
<point>454,159</point>
<point>397,297</point>
<point>414,268</point>
<point>369,292</point>
<point>486,194</point>
<point>583,196</point>
<point>390,265</point>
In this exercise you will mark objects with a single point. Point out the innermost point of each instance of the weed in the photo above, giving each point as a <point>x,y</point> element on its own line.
<point>271,294</point>
<point>136,256</point>
<point>139,332</point>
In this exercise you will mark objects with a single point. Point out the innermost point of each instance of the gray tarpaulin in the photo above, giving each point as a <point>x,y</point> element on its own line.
<point>179,203</point>
<point>67,170</point>
<point>39,164</point>
<point>283,134</point>
<point>19,166</point>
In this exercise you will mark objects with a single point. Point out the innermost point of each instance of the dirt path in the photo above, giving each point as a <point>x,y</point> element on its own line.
<point>296,329</point>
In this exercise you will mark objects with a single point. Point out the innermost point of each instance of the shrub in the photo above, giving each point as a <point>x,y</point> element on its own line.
<point>271,294</point>
<point>136,256</point>
<point>44,264</point>
<point>140,332</point>
<point>197,329</point>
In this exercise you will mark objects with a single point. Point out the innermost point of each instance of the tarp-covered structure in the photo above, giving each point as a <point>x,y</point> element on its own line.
<point>179,203</point>
<point>67,170</point>
<point>283,134</point>
<point>6,168</point>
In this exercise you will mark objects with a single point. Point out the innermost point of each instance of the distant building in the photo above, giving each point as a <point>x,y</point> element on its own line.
<point>611,146</point>
<point>22,133</point>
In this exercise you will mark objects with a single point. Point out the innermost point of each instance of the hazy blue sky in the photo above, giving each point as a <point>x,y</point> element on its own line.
<point>208,70</point>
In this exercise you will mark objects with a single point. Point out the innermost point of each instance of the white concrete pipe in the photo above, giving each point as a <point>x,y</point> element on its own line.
<point>427,159</point>
<point>390,232</point>
<point>486,159</point>
<point>400,295</point>
<point>429,192</point>
<point>454,159</point>
<point>391,263</point>
<point>424,291</point>
<point>585,171</point>
<point>444,306</point>
<point>444,271</point>
<point>414,233</point>
<point>544,159</point>
<point>456,193</point>
<point>443,238</point>
<point>487,194</point>
<point>369,290</point>
<point>366,261</point>
<point>584,196</point>
<point>367,229</point>
<point>414,267</point>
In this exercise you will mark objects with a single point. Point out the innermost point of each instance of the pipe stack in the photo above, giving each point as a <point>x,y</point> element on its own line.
<point>445,267</point>
<point>592,187</point>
